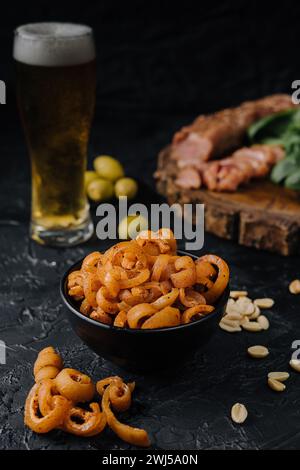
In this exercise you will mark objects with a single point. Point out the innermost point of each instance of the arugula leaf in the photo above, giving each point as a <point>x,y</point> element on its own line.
<point>293,181</point>
<point>274,125</point>
<point>281,129</point>
<point>283,169</point>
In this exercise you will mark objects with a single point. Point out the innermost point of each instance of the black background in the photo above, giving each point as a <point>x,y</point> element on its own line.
<point>168,57</point>
<point>160,63</point>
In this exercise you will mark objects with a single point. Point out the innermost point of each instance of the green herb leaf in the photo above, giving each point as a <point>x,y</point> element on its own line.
<point>273,126</point>
<point>293,181</point>
<point>283,169</point>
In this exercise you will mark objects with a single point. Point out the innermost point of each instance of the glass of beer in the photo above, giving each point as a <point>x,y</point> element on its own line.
<point>56,81</point>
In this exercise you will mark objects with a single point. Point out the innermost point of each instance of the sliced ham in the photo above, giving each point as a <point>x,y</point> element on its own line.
<point>229,173</point>
<point>214,135</point>
<point>188,178</point>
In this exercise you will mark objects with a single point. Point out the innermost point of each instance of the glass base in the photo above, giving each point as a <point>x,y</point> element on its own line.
<point>62,237</point>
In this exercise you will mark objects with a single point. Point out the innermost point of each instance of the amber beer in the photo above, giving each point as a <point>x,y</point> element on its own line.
<point>56,79</point>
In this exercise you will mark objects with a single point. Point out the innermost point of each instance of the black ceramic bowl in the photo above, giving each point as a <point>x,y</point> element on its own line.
<point>142,349</point>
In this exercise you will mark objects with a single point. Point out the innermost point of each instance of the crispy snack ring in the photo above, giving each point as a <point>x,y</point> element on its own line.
<point>159,266</point>
<point>119,392</point>
<point>101,316</point>
<point>205,273</point>
<point>134,296</point>
<point>105,301</point>
<point>163,240</point>
<point>168,316</point>
<point>137,280</point>
<point>77,292</point>
<point>186,277</point>
<point>46,393</point>
<point>112,282</point>
<point>167,235</point>
<point>166,300</point>
<point>194,313</point>
<point>47,365</point>
<point>117,253</point>
<point>75,279</point>
<point>85,307</point>
<point>103,383</point>
<point>138,313</point>
<point>124,306</point>
<point>52,420</point>
<point>91,285</point>
<point>134,436</point>
<point>122,286</point>
<point>190,297</point>
<point>121,319</point>
<point>74,385</point>
<point>90,262</point>
<point>47,372</point>
<point>83,422</point>
<point>221,282</point>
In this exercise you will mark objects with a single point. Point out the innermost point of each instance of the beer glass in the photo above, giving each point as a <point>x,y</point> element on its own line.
<point>56,81</point>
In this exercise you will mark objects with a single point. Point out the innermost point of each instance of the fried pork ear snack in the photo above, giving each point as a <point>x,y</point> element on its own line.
<point>52,420</point>
<point>194,313</point>
<point>48,364</point>
<point>134,436</point>
<point>219,285</point>
<point>119,394</point>
<point>74,385</point>
<point>53,404</point>
<point>136,280</point>
<point>168,316</point>
<point>83,422</point>
<point>46,393</point>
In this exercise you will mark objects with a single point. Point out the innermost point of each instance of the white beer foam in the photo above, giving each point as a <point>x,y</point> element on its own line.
<point>54,44</point>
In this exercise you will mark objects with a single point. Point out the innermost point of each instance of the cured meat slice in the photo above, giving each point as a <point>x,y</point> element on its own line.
<point>188,178</point>
<point>231,172</point>
<point>220,133</point>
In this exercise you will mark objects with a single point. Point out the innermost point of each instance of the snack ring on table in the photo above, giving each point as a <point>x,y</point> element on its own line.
<point>168,316</point>
<point>134,436</point>
<point>103,383</point>
<point>47,357</point>
<point>47,372</point>
<point>46,393</point>
<point>218,287</point>
<point>83,422</point>
<point>119,392</point>
<point>194,313</point>
<point>74,385</point>
<point>54,419</point>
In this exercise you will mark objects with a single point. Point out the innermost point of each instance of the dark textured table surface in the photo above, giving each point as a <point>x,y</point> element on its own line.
<point>185,409</point>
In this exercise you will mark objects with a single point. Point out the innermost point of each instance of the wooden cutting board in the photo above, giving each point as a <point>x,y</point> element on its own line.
<point>261,215</point>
